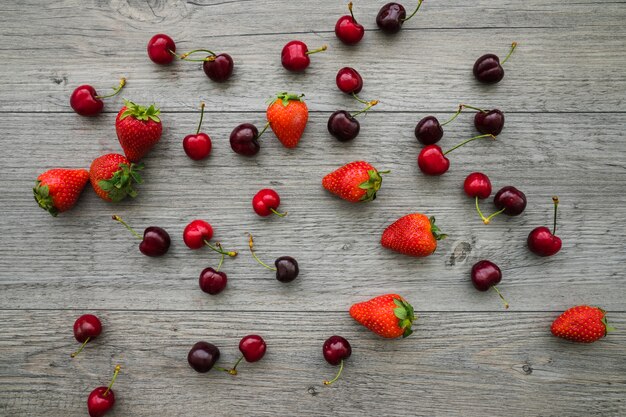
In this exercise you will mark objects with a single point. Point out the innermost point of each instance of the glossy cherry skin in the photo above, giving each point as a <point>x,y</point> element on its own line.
<point>294,56</point>
<point>336,349</point>
<point>490,122</point>
<point>485,274</point>
<point>478,185</point>
<point>220,68</point>
<point>286,268</point>
<point>244,140</point>
<point>203,356</point>
<point>343,126</point>
<point>84,102</point>
<point>98,404</point>
<point>87,326</point>
<point>252,347</point>
<point>487,69</point>
<point>349,80</point>
<point>428,130</point>
<point>432,161</point>
<point>212,282</point>
<point>348,30</point>
<point>159,47</point>
<point>542,242</point>
<point>197,146</point>
<point>512,200</point>
<point>196,233</point>
<point>156,241</point>
<point>264,201</point>
<point>391,17</point>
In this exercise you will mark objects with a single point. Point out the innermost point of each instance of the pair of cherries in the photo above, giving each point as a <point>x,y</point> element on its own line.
<point>203,355</point>
<point>508,200</point>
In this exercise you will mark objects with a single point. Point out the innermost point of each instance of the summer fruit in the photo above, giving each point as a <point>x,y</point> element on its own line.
<point>478,186</point>
<point>432,160</point>
<point>488,68</point>
<point>252,348</point>
<point>198,145</point>
<point>413,235</point>
<point>161,49</point>
<point>485,274</point>
<point>266,202</point>
<point>344,126</point>
<point>510,201</point>
<point>582,324</point>
<point>388,315</point>
<point>57,190</point>
<point>102,399</point>
<point>244,139</point>
<point>355,182</point>
<point>348,30</point>
<point>86,101</point>
<point>154,242</point>
<point>286,267</point>
<point>287,116</point>
<point>112,177</point>
<point>138,129</point>
<point>392,16</point>
<point>541,241</point>
<point>295,55</point>
<point>202,356</point>
<point>488,121</point>
<point>198,233</point>
<point>218,67</point>
<point>212,281</point>
<point>429,131</point>
<point>86,328</point>
<point>349,80</point>
<point>336,349</point>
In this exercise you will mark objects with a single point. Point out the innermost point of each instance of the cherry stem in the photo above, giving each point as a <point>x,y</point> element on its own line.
<point>117,371</point>
<point>555,200</point>
<point>491,216</point>
<point>219,265</point>
<point>119,219</point>
<point>415,11</point>
<point>251,245</point>
<point>115,89</point>
<point>473,108</point>
<point>360,100</point>
<point>263,130</point>
<point>73,355</point>
<point>484,219</point>
<point>506,303</point>
<point>278,213</point>
<point>467,141</point>
<point>186,54</point>
<point>228,371</point>
<point>314,51</point>
<point>336,376</point>
<point>454,116</point>
<point>369,106</point>
<point>233,371</point>
<point>513,46</point>
<point>201,117</point>
<point>351,14</point>
<point>218,248</point>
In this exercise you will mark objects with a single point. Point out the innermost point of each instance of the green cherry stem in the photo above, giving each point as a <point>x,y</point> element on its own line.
<point>415,11</point>
<point>116,90</point>
<point>279,214</point>
<point>219,265</point>
<point>209,58</point>
<point>491,216</point>
<point>469,140</point>
<point>513,46</point>
<point>351,14</point>
<point>336,376</point>
<point>233,371</point>
<point>201,117</point>
<point>251,246</point>
<point>263,130</point>
<point>360,100</point>
<point>117,371</point>
<point>555,200</point>
<point>80,349</point>
<point>506,303</point>
<point>228,371</point>
<point>314,51</point>
<point>370,104</point>
<point>473,108</point>
<point>454,116</point>
<point>119,219</point>
<point>218,248</point>
<point>480,213</point>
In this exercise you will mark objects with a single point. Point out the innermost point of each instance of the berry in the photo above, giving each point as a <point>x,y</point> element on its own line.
<point>112,177</point>
<point>413,235</point>
<point>355,182</point>
<point>388,315</point>
<point>138,129</point>
<point>57,190</point>
<point>287,116</point>
<point>582,324</point>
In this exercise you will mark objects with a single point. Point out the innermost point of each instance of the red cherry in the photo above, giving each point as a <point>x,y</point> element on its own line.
<point>102,399</point>
<point>86,328</point>
<point>349,80</point>
<point>197,233</point>
<point>485,274</point>
<point>252,347</point>
<point>197,146</point>
<point>477,185</point>
<point>212,282</point>
<point>161,49</point>
<point>295,55</point>
<point>541,241</point>
<point>218,68</point>
<point>336,349</point>
<point>432,161</point>
<point>154,242</point>
<point>266,202</point>
<point>348,30</point>
<point>488,68</point>
<point>86,101</point>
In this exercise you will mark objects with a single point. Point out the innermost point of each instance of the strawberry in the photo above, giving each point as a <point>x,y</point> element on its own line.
<point>138,129</point>
<point>583,324</point>
<point>57,190</point>
<point>354,182</point>
<point>287,115</point>
<point>387,315</point>
<point>413,235</point>
<point>112,177</point>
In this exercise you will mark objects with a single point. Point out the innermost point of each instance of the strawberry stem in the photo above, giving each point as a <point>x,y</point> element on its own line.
<point>555,200</point>
<point>117,371</point>
<point>336,376</point>
<point>80,349</point>
<point>314,51</point>
<point>513,46</point>
<point>218,248</point>
<point>201,117</point>
<point>454,116</point>
<point>469,140</point>
<point>119,219</point>
<point>251,246</point>
<point>351,14</point>
<point>415,11</point>
<point>278,213</point>
<point>369,106</point>
<point>506,303</point>
<point>115,89</point>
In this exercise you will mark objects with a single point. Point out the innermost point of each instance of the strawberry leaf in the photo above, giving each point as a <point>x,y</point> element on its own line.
<point>372,185</point>
<point>44,199</point>
<point>435,230</point>
<point>140,112</point>
<point>405,314</point>
<point>285,98</point>
<point>121,182</point>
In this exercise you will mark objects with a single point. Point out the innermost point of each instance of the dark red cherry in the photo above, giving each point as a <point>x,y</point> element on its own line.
<point>86,327</point>
<point>252,347</point>
<point>212,282</point>
<point>336,349</point>
<point>219,68</point>
<point>488,68</point>
<point>84,101</point>
<point>348,30</point>
<point>428,130</point>
<point>489,122</point>
<point>202,356</point>
<point>392,16</point>
<point>198,145</point>
<point>510,201</point>
<point>286,268</point>
<point>156,241</point>
<point>485,274</point>
<point>343,126</point>
<point>161,49</point>
<point>102,399</point>
<point>244,140</point>
<point>543,242</point>
<point>295,55</point>
<point>478,185</point>
<point>349,80</point>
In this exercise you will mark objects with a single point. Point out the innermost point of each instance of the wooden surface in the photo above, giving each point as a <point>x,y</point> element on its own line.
<point>563,96</point>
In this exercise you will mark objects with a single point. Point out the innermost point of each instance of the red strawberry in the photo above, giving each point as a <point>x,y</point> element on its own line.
<point>138,129</point>
<point>387,315</point>
<point>112,177</point>
<point>287,116</point>
<point>57,190</point>
<point>413,235</point>
<point>354,182</point>
<point>583,324</point>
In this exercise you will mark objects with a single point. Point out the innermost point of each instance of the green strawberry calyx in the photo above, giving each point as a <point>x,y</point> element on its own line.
<point>372,185</point>
<point>140,112</point>
<point>121,183</point>
<point>285,98</point>
<point>405,314</point>
<point>44,199</point>
<point>607,326</point>
<point>435,230</point>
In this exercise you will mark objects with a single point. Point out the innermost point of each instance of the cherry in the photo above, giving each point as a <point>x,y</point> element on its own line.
<point>102,399</point>
<point>198,233</point>
<point>488,121</point>
<point>218,67</point>
<point>348,30</point>
<point>212,281</point>
<point>87,327</point>
<point>161,49</point>
<point>295,55</point>
<point>266,202</point>
<point>155,241</point>
<point>344,126</point>
<point>478,186</point>
<point>392,15</point>
<point>86,101</point>
<point>510,201</point>
<point>286,267</point>
<point>349,80</point>
<point>429,131</point>
<point>541,241</point>
<point>488,68</point>
<point>335,350</point>
<point>432,160</point>
<point>198,146</point>
<point>244,139</point>
<point>485,274</point>
<point>252,349</point>
<point>202,356</point>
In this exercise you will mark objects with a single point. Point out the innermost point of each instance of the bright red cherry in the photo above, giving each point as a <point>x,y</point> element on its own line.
<point>348,30</point>
<point>212,282</point>
<point>432,160</point>
<point>266,202</point>
<point>541,241</point>
<point>295,55</point>
<point>86,328</point>
<point>154,242</point>
<point>198,233</point>
<point>349,80</point>
<point>392,16</point>
<point>252,347</point>
<point>86,101</point>
<point>102,399</point>
<point>336,349</point>
<point>485,274</point>
<point>161,49</point>
<point>488,68</point>
<point>198,146</point>
<point>477,185</point>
